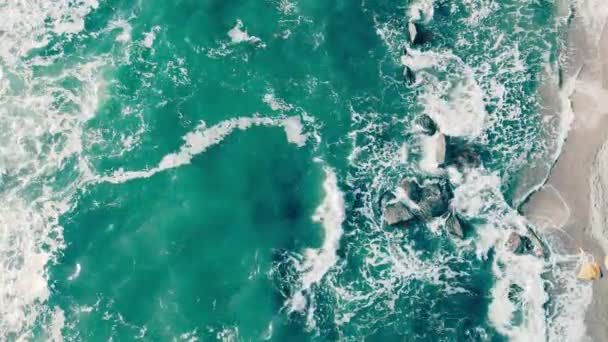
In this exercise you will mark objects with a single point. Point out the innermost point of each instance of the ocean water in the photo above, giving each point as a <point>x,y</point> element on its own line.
<point>212,170</point>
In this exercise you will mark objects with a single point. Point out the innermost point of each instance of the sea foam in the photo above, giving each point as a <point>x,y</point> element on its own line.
<point>238,35</point>
<point>203,137</point>
<point>30,234</point>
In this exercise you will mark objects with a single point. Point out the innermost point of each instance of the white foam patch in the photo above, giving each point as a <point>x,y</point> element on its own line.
<point>76,273</point>
<point>39,139</point>
<point>421,10</point>
<point>238,35</point>
<point>519,296</point>
<point>479,196</point>
<point>433,152</point>
<point>275,103</point>
<point>570,297</point>
<point>525,272</point>
<point>294,128</point>
<point>126,30</point>
<point>203,137</point>
<point>53,330</point>
<point>149,37</point>
<point>455,103</point>
<point>462,113</point>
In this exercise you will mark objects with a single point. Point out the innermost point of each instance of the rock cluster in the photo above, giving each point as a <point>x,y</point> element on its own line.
<point>431,198</point>
<point>521,244</point>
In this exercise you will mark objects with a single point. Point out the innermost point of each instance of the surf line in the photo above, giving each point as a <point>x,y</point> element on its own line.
<point>203,137</point>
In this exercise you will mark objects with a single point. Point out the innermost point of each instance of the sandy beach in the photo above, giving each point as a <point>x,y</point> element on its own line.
<point>569,206</point>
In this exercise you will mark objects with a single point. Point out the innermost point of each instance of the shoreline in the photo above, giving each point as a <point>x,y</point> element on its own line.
<point>563,207</point>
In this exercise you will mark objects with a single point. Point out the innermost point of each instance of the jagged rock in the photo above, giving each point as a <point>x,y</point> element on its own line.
<point>411,189</point>
<point>429,126</point>
<point>590,271</point>
<point>514,243</point>
<point>408,76</point>
<point>538,249</point>
<point>396,213</point>
<point>431,199</point>
<point>422,36</point>
<point>435,199</point>
<point>454,226</point>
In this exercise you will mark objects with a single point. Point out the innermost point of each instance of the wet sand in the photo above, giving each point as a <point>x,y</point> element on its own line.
<point>562,207</point>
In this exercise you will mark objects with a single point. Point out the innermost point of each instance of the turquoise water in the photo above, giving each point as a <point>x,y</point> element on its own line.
<point>211,170</point>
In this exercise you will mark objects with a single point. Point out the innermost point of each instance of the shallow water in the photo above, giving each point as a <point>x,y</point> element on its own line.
<point>212,170</point>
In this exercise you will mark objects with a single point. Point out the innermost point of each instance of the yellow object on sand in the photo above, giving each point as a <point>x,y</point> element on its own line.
<point>606,262</point>
<point>590,271</point>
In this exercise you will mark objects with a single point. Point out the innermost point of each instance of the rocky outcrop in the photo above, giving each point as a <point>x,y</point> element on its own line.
<point>521,244</point>
<point>428,126</point>
<point>538,249</point>
<point>514,243</point>
<point>431,199</point>
<point>408,76</point>
<point>453,226</point>
<point>435,199</point>
<point>397,213</point>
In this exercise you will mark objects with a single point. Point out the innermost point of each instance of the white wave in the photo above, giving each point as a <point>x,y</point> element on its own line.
<point>203,137</point>
<point>317,262</point>
<point>570,297</point>
<point>238,35</point>
<point>330,214</point>
<point>479,196</point>
<point>520,288</point>
<point>525,272</point>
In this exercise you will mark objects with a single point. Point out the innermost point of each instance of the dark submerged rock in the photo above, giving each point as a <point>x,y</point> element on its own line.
<point>411,189</point>
<point>408,76</point>
<point>429,126</point>
<point>423,36</point>
<point>462,155</point>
